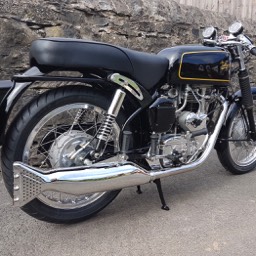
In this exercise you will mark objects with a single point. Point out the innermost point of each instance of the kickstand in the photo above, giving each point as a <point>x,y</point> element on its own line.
<point>161,195</point>
<point>139,190</point>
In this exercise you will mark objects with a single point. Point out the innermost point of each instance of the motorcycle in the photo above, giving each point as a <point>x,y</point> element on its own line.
<point>125,118</point>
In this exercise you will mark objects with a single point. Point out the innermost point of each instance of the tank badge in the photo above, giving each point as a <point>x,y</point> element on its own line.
<point>224,66</point>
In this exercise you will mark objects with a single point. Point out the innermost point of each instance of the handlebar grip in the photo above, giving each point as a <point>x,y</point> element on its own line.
<point>253,51</point>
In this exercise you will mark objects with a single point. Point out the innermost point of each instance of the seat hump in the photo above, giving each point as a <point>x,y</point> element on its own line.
<point>77,54</point>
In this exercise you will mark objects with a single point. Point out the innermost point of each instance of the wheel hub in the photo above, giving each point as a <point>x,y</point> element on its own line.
<point>66,144</point>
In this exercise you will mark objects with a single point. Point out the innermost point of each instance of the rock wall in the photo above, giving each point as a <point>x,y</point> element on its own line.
<point>138,24</point>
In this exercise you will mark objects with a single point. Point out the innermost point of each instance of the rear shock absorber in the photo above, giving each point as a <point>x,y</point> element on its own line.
<point>107,125</point>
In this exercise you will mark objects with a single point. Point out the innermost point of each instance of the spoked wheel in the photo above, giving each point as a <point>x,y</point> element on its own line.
<point>239,155</point>
<point>46,135</point>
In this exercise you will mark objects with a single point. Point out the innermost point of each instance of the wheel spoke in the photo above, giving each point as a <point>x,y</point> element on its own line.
<point>56,136</point>
<point>241,152</point>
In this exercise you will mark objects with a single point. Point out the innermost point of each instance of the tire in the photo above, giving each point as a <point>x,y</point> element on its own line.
<point>238,157</point>
<point>22,137</point>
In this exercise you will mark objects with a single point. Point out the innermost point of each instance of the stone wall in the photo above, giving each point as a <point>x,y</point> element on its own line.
<point>240,9</point>
<point>144,25</point>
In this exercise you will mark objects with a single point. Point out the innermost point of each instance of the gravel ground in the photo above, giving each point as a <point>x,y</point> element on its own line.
<point>212,213</point>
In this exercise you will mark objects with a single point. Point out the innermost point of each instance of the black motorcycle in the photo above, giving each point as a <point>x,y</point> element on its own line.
<point>124,118</point>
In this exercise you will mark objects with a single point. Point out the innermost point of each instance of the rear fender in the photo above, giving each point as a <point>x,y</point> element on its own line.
<point>5,87</point>
<point>14,90</point>
<point>10,92</point>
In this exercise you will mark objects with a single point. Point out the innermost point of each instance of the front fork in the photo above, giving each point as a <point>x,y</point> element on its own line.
<point>247,98</point>
<point>247,101</point>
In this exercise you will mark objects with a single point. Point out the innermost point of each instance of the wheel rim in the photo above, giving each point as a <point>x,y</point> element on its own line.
<point>243,153</point>
<point>54,138</point>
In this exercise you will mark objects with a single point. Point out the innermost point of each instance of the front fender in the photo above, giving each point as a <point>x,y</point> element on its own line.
<point>10,93</point>
<point>233,108</point>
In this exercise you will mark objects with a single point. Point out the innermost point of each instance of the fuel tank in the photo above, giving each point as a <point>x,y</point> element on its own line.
<point>197,64</point>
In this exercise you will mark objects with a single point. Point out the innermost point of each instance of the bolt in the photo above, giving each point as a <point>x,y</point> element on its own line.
<point>16,188</point>
<point>80,158</point>
<point>96,155</point>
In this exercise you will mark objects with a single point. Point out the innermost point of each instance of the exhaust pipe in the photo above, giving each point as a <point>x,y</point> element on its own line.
<point>29,182</point>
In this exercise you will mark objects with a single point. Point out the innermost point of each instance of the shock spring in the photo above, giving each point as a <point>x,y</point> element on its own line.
<point>106,127</point>
<point>110,117</point>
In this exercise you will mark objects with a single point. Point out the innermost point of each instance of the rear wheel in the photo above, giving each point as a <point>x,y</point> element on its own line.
<point>239,156</point>
<point>45,134</point>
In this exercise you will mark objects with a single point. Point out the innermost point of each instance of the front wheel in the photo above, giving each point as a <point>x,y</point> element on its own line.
<point>239,154</point>
<point>45,133</point>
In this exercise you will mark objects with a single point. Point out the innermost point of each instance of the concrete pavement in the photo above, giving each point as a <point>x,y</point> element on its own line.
<point>211,213</point>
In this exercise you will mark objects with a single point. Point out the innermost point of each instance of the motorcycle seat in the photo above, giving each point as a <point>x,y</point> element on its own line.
<point>50,54</point>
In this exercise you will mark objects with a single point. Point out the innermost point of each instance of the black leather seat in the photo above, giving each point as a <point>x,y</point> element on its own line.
<point>76,54</point>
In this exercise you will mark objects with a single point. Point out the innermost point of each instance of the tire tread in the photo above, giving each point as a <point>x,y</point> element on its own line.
<point>9,152</point>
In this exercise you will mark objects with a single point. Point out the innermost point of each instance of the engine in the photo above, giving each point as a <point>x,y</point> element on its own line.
<point>181,118</point>
<point>178,148</point>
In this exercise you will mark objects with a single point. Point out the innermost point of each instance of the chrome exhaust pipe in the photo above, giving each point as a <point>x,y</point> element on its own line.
<point>29,182</point>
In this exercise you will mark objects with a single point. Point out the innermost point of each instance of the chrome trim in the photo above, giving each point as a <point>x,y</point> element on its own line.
<point>110,117</point>
<point>105,129</point>
<point>206,151</point>
<point>116,103</point>
<point>64,200</point>
<point>185,100</point>
<point>241,58</point>
<point>128,84</point>
<point>29,182</point>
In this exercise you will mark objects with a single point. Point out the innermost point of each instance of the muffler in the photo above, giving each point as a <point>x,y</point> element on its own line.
<point>29,182</point>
